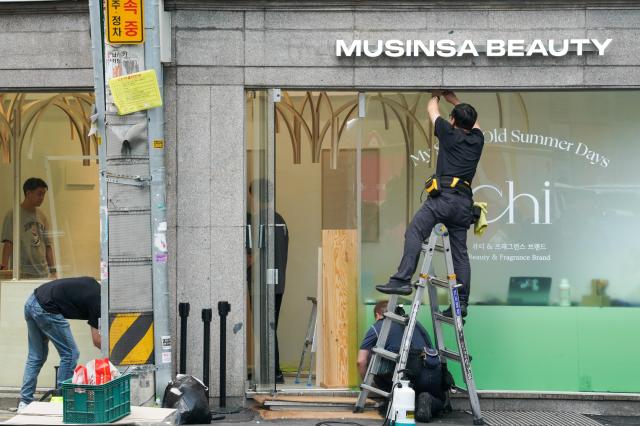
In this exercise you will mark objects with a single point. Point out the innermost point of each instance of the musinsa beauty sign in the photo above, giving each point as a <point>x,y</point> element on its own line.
<point>451,48</point>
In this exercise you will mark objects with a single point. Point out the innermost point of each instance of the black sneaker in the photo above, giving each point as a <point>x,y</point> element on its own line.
<point>423,408</point>
<point>396,287</point>
<point>463,311</point>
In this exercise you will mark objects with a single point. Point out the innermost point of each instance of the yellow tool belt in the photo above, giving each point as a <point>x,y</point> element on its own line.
<point>434,184</point>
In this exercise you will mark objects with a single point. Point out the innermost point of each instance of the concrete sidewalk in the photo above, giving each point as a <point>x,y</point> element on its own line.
<point>249,418</point>
<point>456,418</point>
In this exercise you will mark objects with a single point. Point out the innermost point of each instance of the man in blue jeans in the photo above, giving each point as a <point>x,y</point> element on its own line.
<point>46,312</point>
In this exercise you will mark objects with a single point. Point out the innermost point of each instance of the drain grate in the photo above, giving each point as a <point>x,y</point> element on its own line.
<point>536,418</point>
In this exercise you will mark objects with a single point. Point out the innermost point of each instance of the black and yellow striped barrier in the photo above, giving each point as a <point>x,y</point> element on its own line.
<point>131,338</point>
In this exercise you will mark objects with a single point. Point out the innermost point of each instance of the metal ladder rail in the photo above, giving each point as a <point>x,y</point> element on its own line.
<point>422,284</point>
<point>309,341</point>
<point>374,364</point>
<point>379,350</point>
<point>463,355</point>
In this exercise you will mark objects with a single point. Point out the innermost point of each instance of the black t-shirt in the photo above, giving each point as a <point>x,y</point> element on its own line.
<point>459,152</point>
<point>419,340</point>
<point>74,298</point>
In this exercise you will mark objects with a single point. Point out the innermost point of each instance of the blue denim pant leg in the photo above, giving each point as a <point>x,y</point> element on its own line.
<point>53,327</point>
<point>38,351</point>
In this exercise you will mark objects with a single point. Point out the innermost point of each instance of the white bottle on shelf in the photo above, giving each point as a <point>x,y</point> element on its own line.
<point>565,292</point>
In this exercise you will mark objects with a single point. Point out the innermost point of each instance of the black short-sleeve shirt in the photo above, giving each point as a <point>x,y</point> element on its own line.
<point>419,340</point>
<point>459,151</point>
<point>74,298</point>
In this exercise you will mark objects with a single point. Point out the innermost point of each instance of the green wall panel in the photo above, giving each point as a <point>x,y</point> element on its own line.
<point>608,349</point>
<point>546,348</point>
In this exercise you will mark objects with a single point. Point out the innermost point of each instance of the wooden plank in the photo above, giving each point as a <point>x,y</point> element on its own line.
<point>320,415</point>
<point>261,399</point>
<point>50,413</point>
<point>339,290</point>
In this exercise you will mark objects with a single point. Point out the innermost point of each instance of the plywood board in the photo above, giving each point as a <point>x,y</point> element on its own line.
<point>339,292</point>
<point>320,415</point>
<point>50,413</point>
<point>261,399</point>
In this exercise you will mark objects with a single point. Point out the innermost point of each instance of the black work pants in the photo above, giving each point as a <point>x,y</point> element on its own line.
<point>453,208</point>
<point>278,303</point>
<point>430,380</point>
<point>426,380</point>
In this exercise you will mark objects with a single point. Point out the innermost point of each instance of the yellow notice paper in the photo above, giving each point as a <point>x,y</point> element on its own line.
<point>135,92</point>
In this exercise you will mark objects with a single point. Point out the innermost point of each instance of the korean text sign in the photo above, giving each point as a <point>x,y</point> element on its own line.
<point>125,21</point>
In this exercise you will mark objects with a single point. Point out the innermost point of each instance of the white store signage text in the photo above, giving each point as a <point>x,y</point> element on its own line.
<point>451,48</point>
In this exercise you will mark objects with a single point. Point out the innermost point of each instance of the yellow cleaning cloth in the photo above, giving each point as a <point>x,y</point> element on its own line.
<point>481,224</point>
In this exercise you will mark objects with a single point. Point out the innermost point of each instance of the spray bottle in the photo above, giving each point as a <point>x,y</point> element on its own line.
<point>403,405</point>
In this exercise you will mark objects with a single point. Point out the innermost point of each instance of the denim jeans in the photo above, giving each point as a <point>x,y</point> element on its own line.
<point>44,327</point>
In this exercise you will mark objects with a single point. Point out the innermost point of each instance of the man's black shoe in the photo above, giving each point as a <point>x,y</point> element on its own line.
<point>463,311</point>
<point>396,287</point>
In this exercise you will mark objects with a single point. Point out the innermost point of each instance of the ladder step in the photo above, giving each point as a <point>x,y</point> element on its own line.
<point>442,283</point>
<point>451,355</point>
<point>397,318</point>
<point>442,318</point>
<point>375,390</point>
<point>437,247</point>
<point>386,354</point>
<point>439,282</point>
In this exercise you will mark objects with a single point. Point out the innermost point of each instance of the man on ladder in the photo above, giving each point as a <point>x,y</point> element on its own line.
<point>450,197</point>
<point>447,214</point>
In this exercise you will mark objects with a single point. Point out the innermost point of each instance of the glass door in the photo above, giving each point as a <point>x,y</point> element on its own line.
<point>261,274</point>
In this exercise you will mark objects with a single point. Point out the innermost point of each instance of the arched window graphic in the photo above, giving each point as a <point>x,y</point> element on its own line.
<point>20,115</point>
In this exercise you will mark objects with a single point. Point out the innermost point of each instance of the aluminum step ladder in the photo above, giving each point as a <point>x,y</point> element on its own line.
<point>432,283</point>
<point>309,341</point>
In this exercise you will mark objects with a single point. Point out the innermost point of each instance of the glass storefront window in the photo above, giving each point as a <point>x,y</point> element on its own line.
<point>553,268</point>
<point>44,139</point>
<point>557,174</point>
<point>49,174</point>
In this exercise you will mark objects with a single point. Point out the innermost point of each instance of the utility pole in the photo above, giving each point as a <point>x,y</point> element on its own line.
<point>135,300</point>
<point>162,336</point>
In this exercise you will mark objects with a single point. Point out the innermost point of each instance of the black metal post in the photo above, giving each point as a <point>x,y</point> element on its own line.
<point>56,368</point>
<point>207,314</point>
<point>223,311</point>
<point>183,310</point>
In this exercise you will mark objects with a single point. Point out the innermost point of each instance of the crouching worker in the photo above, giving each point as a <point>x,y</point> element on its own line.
<point>423,364</point>
<point>46,312</point>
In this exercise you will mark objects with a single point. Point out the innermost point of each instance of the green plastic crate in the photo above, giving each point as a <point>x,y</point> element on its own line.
<point>90,404</point>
